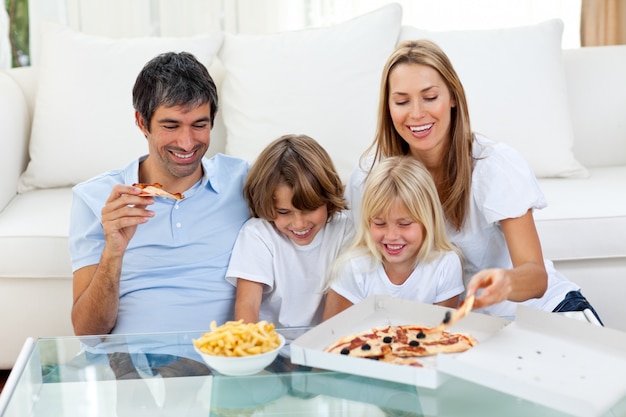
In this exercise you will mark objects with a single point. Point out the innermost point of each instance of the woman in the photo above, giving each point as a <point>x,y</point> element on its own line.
<point>487,190</point>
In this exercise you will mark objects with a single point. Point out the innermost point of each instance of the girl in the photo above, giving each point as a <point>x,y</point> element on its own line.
<point>298,227</point>
<point>487,190</point>
<point>401,248</point>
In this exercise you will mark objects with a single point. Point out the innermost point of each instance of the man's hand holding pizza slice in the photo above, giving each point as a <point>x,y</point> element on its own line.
<point>123,211</point>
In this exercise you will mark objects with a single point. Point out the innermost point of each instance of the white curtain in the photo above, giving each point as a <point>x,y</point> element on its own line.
<point>461,14</point>
<point>5,44</point>
<point>123,18</point>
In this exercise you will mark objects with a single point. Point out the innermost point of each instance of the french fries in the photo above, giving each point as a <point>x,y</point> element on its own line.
<point>234,338</point>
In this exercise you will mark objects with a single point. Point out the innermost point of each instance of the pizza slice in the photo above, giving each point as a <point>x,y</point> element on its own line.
<point>156,190</point>
<point>452,317</point>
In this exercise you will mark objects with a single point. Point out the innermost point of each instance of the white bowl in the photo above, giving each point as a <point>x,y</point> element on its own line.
<point>241,365</point>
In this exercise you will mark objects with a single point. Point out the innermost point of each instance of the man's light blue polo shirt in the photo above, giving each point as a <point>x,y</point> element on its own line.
<point>173,270</point>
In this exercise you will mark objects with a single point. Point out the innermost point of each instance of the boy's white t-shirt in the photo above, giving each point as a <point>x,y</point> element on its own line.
<point>430,282</point>
<point>294,276</point>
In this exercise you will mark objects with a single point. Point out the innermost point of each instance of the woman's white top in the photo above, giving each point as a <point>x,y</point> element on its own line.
<point>503,187</point>
<point>430,282</point>
<point>294,277</point>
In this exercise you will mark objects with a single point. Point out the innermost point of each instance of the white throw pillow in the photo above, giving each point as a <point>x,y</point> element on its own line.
<point>84,122</point>
<point>321,82</point>
<point>516,90</point>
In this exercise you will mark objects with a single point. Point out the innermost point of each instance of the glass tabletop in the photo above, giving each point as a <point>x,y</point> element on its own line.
<point>80,376</point>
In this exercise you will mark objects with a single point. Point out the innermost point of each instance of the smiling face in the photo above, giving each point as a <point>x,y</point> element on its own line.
<point>420,107</point>
<point>178,138</point>
<point>398,238</point>
<point>301,226</point>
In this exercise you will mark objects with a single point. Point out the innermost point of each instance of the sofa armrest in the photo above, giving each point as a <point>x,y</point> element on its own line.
<point>15,121</point>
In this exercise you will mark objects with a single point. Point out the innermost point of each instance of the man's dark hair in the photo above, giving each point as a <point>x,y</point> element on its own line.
<point>173,79</point>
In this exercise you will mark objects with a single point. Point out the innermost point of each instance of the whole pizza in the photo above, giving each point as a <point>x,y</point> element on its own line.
<point>401,344</point>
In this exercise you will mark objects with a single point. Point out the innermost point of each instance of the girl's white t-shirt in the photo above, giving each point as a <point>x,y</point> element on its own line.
<point>294,277</point>
<point>503,187</point>
<point>430,282</point>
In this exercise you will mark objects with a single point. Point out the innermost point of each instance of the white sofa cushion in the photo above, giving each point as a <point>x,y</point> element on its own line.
<point>516,90</point>
<point>320,82</point>
<point>84,119</point>
<point>33,235</point>
<point>585,217</point>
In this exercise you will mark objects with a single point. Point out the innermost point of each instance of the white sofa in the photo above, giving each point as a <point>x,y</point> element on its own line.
<point>70,117</point>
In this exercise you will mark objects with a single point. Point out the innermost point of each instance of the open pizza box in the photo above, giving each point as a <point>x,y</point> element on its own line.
<point>375,311</point>
<point>558,362</point>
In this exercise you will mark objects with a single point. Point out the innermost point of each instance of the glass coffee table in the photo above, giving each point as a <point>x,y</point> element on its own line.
<point>69,376</point>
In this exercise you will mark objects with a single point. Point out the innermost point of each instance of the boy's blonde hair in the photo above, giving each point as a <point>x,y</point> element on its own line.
<point>301,163</point>
<point>403,179</point>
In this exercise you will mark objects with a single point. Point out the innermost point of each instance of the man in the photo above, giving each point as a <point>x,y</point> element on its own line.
<point>154,264</point>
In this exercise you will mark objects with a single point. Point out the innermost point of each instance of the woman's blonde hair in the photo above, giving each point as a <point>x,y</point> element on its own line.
<point>454,187</point>
<point>405,180</point>
<point>301,163</point>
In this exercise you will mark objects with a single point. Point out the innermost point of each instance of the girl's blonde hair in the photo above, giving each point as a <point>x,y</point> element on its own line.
<point>454,187</point>
<point>403,179</point>
<point>301,163</point>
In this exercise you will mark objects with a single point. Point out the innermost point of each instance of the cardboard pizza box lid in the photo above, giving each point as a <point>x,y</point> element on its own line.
<point>374,311</point>
<point>565,364</point>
